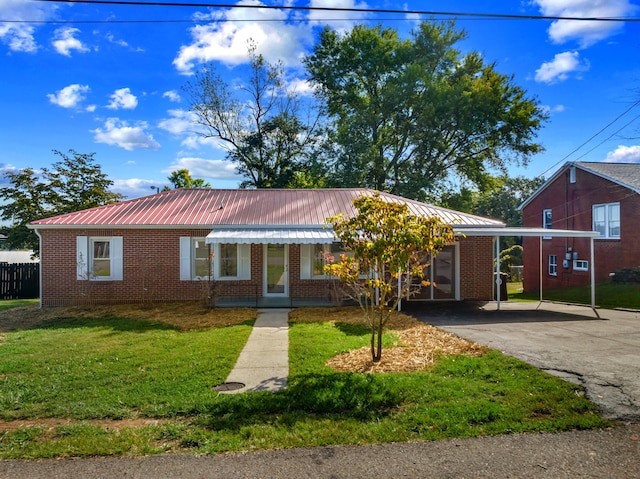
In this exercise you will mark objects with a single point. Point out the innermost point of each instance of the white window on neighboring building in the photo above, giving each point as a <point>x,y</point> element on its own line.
<point>547,221</point>
<point>580,265</point>
<point>572,174</point>
<point>606,220</point>
<point>227,261</point>
<point>99,258</point>
<point>553,265</point>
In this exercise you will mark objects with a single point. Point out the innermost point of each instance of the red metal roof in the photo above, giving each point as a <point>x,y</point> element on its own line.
<point>268,207</point>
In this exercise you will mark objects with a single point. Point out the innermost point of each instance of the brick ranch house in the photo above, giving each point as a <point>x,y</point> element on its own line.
<point>603,197</point>
<point>267,249</point>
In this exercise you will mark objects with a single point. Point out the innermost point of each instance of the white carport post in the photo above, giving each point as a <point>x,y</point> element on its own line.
<point>541,269</point>
<point>593,276</point>
<point>498,278</point>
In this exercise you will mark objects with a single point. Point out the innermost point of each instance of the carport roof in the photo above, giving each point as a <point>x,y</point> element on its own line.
<point>536,232</point>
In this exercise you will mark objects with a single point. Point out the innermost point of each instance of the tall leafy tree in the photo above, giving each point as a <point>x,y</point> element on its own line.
<point>263,125</point>
<point>410,112</point>
<point>74,183</point>
<point>182,179</point>
<point>390,247</point>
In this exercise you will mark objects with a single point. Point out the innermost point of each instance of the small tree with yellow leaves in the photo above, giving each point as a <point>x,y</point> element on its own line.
<point>389,249</point>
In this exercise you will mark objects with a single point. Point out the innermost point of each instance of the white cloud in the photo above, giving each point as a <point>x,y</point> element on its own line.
<point>65,41</point>
<point>300,87</point>
<point>624,154</point>
<point>339,20</point>
<point>119,133</point>
<point>181,122</point>
<point>585,32</point>
<point>202,168</point>
<point>553,109</point>
<point>560,67</point>
<point>112,39</point>
<point>20,36</point>
<point>70,96</point>
<point>172,95</point>
<point>136,187</point>
<point>123,98</point>
<point>227,37</point>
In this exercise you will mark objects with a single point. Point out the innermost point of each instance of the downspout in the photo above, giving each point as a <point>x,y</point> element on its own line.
<point>40,275</point>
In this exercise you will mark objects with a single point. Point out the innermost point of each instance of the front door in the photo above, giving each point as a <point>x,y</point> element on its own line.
<point>276,270</point>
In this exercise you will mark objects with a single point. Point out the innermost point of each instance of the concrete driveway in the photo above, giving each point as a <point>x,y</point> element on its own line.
<point>600,353</point>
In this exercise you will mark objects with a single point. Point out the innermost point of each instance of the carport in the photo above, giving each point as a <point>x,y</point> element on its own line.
<point>541,233</point>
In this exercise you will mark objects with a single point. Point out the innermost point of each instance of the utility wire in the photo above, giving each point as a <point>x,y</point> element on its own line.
<point>344,9</point>
<point>594,136</point>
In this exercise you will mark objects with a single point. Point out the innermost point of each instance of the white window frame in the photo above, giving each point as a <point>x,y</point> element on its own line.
<point>84,258</point>
<point>607,220</point>
<point>552,263</point>
<point>545,225</point>
<point>580,265</point>
<point>307,260</point>
<point>572,174</point>
<point>187,261</point>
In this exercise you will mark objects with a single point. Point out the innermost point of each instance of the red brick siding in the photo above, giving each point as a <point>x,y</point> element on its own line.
<point>476,268</point>
<point>571,205</point>
<point>151,270</point>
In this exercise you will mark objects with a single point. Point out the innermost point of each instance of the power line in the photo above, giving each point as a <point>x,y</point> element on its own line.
<point>345,10</point>
<point>594,136</point>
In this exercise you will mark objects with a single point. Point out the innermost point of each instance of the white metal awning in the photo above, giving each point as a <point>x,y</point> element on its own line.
<point>271,236</point>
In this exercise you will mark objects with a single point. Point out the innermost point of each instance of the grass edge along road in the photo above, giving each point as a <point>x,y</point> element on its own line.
<point>138,380</point>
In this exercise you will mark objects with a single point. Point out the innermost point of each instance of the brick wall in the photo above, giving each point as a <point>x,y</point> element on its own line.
<point>476,268</point>
<point>151,271</point>
<point>571,205</point>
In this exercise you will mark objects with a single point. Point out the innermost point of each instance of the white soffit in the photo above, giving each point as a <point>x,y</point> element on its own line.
<point>538,232</point>
<point>272,236</point>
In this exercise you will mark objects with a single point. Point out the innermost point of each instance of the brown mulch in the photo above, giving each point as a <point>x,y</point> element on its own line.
<point>182,315</point>
<point>418,347</point>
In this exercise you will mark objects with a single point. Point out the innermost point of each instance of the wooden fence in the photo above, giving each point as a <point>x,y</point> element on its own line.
<point>19,281</point>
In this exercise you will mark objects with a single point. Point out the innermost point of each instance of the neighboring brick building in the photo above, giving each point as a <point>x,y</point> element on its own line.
<point>263,248</point>
<point>603,197</point>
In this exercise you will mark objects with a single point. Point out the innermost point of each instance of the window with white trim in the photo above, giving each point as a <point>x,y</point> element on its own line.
<point>547,221</point>
<point>99,258</point>
<point>227,261</point>
<point>580,265</point>
<point>553,265</point>
<point>314,257</point>
<point>606,220</point>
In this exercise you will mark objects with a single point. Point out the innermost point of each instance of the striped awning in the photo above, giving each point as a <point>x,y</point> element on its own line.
<point>271,236</point>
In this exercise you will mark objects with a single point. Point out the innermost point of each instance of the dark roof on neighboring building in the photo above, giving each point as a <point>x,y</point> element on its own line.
<point>623,174</point>
<point>236,207</point>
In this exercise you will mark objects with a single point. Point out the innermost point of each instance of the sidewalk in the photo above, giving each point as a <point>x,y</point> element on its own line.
<point>263,364</point>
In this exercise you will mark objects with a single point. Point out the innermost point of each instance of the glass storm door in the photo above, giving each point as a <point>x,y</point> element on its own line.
<point>276,281</point>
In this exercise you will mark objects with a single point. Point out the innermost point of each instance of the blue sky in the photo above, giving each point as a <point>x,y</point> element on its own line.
<point>115,88</point>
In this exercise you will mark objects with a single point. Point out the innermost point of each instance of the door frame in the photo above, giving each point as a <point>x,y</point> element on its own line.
<point>265,267</point>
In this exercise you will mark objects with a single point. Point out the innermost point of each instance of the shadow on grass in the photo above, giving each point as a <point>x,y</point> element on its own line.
<point>362,397</point>
<point>352,329</point>
<point>108,322</point>
<point>472,313</point>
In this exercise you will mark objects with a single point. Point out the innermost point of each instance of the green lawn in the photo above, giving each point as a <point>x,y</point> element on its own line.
<point>16,303</point>
<point>91,370</point>
<point>608,295</point>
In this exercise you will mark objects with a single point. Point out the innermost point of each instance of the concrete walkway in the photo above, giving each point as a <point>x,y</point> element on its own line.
<point>263,364</point>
